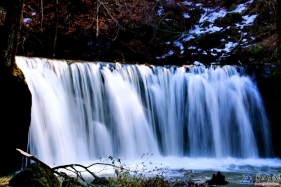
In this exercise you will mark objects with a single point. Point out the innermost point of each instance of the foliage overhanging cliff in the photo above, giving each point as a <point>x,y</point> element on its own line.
<point>151,31</point>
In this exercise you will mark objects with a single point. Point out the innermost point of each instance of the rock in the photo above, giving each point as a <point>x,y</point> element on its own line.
<point>218,179</point>
<point>15,120</point>
<point>35,176</point>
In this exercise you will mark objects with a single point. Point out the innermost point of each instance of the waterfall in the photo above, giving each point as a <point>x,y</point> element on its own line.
<point>84,111</point>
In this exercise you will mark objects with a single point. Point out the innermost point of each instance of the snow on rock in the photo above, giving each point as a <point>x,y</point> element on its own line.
<point>198,63</point>
<point>211,29</point>
<point>242,7</point>
<point>201,30</point>
<point>187,3</point>
<point>25,20</point>
<point>170,53</point>
<point>211,15</point>
<point>160,11</point>
<point>192,47</point>
<point>180,45</point>
<point>186,15</point>
<point>248,20</point>
<point>229,46</point>
<point>185,38</point>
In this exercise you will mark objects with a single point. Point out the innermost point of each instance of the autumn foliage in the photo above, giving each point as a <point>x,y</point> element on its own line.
<point>105,30</point>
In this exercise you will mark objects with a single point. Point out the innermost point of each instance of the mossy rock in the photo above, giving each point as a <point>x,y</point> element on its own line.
<point>69,181</point>
<point>35,176</point>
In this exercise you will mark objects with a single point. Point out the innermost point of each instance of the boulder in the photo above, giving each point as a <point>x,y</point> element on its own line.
<point>218,179</point>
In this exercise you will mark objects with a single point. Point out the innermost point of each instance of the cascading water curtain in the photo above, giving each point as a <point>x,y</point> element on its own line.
<point>84,111</point>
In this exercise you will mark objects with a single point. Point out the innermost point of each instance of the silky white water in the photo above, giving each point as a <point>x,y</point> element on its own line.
<point>85,111</point>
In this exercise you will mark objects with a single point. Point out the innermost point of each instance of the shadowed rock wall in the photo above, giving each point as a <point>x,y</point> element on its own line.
<point>15,118</point>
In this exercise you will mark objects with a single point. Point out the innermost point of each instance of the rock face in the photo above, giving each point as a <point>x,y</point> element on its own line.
<point>270,88</point>
<point>35,175</point>
<point>15,118</point>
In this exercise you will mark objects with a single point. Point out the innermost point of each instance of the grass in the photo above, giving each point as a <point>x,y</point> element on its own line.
<point>4,181</point>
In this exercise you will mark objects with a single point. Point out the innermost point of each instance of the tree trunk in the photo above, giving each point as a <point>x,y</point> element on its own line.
<point>15,97</point>
<point>56,28</point>
<point>278,27</point>
<point>41,13</point>
<point>10,37</point>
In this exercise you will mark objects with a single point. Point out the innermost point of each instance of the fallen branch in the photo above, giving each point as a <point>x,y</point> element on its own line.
<point>97,180</point>
<point>54,170</point>
<point>32,157</point>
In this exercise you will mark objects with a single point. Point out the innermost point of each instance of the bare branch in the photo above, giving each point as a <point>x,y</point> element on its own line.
<point>56,31</point>
<point>109,13</point>
<point>42,13</point>
<point>97,19</point>
<point>32,157</point>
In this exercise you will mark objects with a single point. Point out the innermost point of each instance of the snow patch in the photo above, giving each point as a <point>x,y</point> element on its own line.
<point>25,20</point>
<point>199,30</point>
<point>170,53</point>
<point>192,47</point>
<point>187,3</point>
<point>216,49</point>
<point>185,37</point>
<point>179,44</point>
<point>160,11</point>
<point>247,20</point>
<point>186,15</point>
<point>212,16</point>
<point>242,7</point>
<point>229,46</point>
<point>198,63</point>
